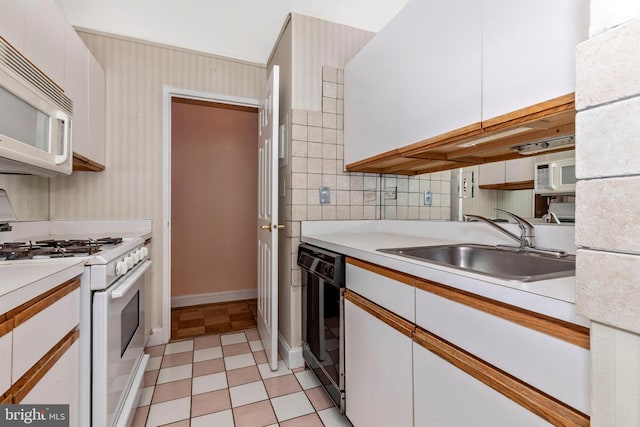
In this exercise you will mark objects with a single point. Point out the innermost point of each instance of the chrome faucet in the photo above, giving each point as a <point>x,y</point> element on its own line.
<point>526,238</point>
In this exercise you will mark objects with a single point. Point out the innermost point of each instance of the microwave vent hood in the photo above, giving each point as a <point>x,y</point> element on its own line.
<point>14,63</point>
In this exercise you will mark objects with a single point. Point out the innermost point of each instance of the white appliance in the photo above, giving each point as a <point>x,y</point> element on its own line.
<point>118,280</point>
<point>112,331</point>
<point>35,123</point>
<point>555,177</point>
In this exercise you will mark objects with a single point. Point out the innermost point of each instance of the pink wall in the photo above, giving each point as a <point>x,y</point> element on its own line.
<point>214,177</point>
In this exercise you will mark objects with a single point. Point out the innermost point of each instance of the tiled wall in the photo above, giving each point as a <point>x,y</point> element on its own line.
<point>317,141</point>
<point>608,208</point>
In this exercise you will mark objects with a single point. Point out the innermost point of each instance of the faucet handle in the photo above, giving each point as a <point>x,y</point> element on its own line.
<point>518,219</point>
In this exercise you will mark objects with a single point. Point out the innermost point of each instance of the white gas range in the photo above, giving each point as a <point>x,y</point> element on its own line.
<point>112,331</point>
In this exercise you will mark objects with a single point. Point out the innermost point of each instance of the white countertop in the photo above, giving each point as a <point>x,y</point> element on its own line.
<point>21,281</point>
<point>361,239</point>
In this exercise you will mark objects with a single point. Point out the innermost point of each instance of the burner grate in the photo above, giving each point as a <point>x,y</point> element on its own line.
<point>53,248</point>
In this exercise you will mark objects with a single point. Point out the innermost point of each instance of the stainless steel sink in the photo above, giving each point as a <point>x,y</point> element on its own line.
<point>524,266</point>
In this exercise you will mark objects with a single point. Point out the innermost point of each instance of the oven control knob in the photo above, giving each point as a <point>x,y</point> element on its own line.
<point>129,260</point>
<point>141,254</point>
<point>145,251</point>
<point>121,268</point>
<point>135,256</point>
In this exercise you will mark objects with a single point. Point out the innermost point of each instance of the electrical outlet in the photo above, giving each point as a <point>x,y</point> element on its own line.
<point>428,198</point>
<point>391,193</point>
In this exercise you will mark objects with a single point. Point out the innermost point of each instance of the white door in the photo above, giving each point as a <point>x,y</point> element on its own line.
<point>268,219</point>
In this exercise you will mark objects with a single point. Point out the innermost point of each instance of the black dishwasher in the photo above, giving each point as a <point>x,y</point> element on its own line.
<point>323,281</point>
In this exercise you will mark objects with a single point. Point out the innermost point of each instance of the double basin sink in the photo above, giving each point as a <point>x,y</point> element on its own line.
<point>508,264</point>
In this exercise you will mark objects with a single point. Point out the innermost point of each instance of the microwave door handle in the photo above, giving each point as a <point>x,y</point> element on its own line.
<point>123,288</point>
<point>552,172</point>
<point>62,116</point>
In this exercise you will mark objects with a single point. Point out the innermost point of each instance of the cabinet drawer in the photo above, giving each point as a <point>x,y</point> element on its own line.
<point>387,288</point>
<point>58,380</point>
<point>536,350</point>
<point>42,325</point>
<point>6,333</point>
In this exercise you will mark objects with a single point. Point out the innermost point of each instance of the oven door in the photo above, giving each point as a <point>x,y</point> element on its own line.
<point>118,348</point>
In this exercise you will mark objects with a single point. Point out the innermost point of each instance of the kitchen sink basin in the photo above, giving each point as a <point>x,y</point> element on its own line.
<point>509,264</point>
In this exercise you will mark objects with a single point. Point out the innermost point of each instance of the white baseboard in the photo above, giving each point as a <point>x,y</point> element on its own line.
<point>210,298</point>
<point>292,357</point>
<point>156,337</point>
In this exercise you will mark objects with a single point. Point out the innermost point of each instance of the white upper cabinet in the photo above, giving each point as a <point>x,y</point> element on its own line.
<point>371,97</point>
<point>76,87</point>
<point>44,45</point>
<point>12,19</point>
<point>97,111</point>
<point>439,68</point>
<point>528,51</point>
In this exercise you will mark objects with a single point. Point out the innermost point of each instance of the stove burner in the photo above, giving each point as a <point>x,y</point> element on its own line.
<point>54,248</point>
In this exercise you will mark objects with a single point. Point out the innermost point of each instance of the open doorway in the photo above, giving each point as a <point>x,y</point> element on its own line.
<point>214,164</point>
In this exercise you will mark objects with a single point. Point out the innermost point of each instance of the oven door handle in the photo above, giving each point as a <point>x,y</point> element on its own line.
<point>123,288</point>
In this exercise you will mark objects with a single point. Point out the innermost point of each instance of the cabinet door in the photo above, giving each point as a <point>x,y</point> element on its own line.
<point>518,170</point>
<point>60,384</point>
<point>97,111</point>
<point>439,68</point>
<point>76,87</point>
<point>45,29</point>
<point>378,371</point>
<point>491,173</point>
<point>528,51</point>
<point>12,17</point>
<point>446,396</point>
<point>5,356</point>
<point>371,97</point>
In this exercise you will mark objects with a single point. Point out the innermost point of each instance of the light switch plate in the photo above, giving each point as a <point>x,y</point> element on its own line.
<point>325,195</point>
<point>465,189</point>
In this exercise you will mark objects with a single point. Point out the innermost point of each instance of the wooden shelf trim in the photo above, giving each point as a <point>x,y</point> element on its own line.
<point>382,271</point>
<point>84,164</point>
<point>569,332</point>
<point>532,399</point>
<point>519,185</point>
<point>27,382</point>
<point>26,311</point>
<point>401,325</point>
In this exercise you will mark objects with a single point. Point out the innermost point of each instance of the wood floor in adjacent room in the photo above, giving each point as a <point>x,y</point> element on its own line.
<point>207,319</point>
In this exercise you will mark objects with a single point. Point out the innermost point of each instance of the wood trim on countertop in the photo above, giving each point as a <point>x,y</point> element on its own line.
<point>6,327</point>
<point>516,185</point>
<point>532,399</point>
<point>401,325</point>
<point>382,271</point>
<point>29,309</point>
<point>25,384</point>
<point>566,331</point>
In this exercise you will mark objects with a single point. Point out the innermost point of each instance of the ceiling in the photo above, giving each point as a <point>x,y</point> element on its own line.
<point>241,29</point>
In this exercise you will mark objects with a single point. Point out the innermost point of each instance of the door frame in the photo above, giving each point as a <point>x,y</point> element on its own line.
<point>168,92</point>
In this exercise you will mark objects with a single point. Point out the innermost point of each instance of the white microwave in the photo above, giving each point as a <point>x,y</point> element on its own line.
<point>35,119</point>
<point>553,177</point>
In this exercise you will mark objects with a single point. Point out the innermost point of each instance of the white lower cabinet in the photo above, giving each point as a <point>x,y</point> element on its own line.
<point>60,384</point>
<point>6,336</point>
<point>466,360</point>
<point>445,396</point>
<point>378,373</point>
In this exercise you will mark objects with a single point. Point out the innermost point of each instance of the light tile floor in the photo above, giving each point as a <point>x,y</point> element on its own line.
<point>225,381</point>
